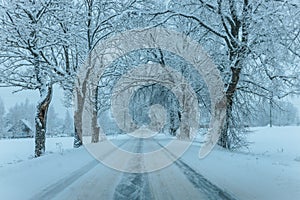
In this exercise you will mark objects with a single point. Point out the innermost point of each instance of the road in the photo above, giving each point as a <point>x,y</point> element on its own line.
<point>97,181</point>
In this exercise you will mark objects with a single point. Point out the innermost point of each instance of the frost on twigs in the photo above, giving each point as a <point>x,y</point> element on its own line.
<point>107,51</point>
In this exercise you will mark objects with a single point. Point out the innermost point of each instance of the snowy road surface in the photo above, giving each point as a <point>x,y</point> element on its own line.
<point>96,181</point>
<point>268,169</point>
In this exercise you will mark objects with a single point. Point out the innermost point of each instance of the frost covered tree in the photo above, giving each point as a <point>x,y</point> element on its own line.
<point>32,53</point>
<point>284,114</point>
<point>24,58</point>
<point>279,113</point>
<point>101,19</point>
<point>150,95</point>
<point>254,43</point>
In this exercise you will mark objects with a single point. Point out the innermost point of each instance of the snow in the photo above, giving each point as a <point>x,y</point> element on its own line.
<point>26,179</point>
<point>17,150</point>
<point>27,123</point>
<point>268,169</point>
<point>280,142</point>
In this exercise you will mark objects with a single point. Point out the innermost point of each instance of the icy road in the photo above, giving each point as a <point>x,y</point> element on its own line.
<point>97,181</point>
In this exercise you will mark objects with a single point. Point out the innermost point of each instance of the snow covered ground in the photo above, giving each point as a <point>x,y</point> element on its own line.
<point>268,169</point>
<point>17,150</point>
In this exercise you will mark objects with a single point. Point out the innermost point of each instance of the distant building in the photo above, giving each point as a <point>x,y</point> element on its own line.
<point>21,129</point>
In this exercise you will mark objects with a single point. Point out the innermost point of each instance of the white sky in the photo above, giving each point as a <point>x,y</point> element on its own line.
<point>10,99</point>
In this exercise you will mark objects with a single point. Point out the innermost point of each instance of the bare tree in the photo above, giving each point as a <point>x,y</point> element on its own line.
<point>101,20</point>
<point>254,44</point>
<point>31,53</point>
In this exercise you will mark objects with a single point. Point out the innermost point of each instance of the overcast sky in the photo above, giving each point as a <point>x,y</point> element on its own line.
<point>10,99</point>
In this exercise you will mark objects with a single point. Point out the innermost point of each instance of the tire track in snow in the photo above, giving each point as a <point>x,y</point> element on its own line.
<point>134,186</point>
<point>200,182</point>
<point>53,190</point>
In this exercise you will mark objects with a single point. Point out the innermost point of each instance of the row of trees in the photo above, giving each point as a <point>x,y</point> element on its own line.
<point>254,44</point>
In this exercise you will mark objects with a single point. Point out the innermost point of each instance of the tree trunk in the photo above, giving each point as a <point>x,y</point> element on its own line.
<point>95,128</point>
<point>224,140</point>
<point>271,109</point>
<point>78,121</point>
<point>81,91</point>
<point>41,120</point>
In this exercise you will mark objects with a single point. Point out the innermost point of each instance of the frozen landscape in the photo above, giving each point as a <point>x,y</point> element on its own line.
<point>268,169</point>
<point>149,100</point>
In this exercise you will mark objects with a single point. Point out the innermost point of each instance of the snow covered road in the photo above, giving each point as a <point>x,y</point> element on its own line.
<point>96,181</point>
<point>268,169</point>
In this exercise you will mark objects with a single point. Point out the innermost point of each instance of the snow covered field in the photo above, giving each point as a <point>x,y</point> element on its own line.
<point>268,169</point>
<point>17,150</point>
